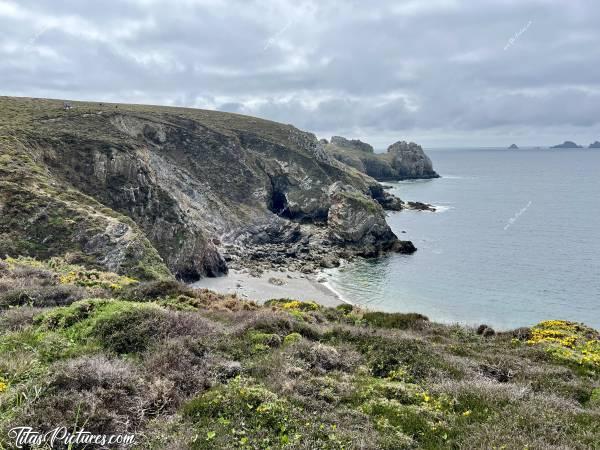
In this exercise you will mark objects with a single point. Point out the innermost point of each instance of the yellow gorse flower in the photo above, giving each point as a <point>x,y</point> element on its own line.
<point>569,341</point>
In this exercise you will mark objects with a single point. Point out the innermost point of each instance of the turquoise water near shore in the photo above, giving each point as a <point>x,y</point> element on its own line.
<point>516,241</point>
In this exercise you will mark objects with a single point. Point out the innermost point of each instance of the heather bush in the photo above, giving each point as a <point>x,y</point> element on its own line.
<point>60,295</point>
<point>185,363</point>
<point>14,319</point>
<point>394,320</point>
<point>152,290</point>
<point>104,394</point>
<point>324,358</point>
<point>282,323</point>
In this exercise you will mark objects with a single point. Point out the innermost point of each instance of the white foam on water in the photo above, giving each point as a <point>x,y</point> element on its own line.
<point>442,208</point>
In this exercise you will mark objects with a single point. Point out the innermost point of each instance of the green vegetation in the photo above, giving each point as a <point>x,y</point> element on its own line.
<point>569,342</point>
<point>193,369</point>
<point>43,217</point>
<point>393,320</point>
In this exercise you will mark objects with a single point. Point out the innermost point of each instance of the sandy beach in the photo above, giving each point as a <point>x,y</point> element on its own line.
<point>274,284</point>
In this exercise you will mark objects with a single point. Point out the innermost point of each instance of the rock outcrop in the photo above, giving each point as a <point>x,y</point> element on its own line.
<point>355,144</point>
<point>150,191</point>
<point>513,147</point>
<point>567,144</point>
<point>595,144</point>
<point>401,162</point>
<point>357,221</point>
<point>410,161</point>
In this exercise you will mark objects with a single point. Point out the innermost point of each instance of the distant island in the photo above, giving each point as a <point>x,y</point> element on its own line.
<point>513,147</point>
<point>567,144</point>
<point>596,144</point>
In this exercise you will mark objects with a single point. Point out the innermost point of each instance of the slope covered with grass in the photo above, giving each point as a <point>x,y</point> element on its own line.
<point>185,368</point>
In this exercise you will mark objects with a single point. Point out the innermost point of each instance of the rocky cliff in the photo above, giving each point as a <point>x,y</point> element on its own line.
<point>155,191</point>
<point>401,161</point>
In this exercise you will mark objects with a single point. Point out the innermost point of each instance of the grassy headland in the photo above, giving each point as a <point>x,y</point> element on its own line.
<point>186,368</point>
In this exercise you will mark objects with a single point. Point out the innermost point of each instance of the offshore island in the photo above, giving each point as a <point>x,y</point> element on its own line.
<point>109,211</point>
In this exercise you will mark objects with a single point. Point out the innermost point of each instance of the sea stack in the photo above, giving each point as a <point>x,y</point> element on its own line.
<point>410,161</point>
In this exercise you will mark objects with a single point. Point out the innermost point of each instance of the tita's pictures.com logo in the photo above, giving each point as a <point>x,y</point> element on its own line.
<point>59,437</point>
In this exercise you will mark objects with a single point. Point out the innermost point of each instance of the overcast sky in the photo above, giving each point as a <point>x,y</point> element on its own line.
<point>439,72</point>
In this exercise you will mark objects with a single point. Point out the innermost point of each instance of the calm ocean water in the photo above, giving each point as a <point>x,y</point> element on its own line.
<point>517,241</point>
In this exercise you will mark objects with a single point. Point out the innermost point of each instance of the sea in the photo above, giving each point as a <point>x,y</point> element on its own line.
<point>515,240</point>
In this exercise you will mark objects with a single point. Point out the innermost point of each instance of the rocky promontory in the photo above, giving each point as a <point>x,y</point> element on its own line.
<point>402,160</point>
<point>154,192</point>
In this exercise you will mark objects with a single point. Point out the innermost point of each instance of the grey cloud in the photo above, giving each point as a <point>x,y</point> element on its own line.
<point>412,68</point>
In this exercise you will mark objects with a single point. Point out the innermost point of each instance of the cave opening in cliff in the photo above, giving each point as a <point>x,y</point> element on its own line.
<point>279,204</point>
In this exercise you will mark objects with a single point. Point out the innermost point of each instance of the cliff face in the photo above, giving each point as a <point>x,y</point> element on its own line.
<point>175,190</point>
<point>401,162</point>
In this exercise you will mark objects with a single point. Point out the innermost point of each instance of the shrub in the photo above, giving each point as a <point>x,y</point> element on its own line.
<point>385,355</point>
<point>323,358</point>
<point>345,308</point>
<point>292,338</point>
<point>95,278</point>
<point>569,342</point>
<point>42,296</point>
<point>125,327</point>
<point>260,341</point>
<point>489,332</point>
<point>481,328</point>
<point>18,318</point>
<point>103,395</point>
<point>522,334</point>
<point>153,290</point>
<point>297,305</point>
<point>133,330</point>
<point>185,363</point>
<point>394,320</point>
<point>29,272</point>
<point>242,414</point>
<point>77,312</point>
<point>279,322</point>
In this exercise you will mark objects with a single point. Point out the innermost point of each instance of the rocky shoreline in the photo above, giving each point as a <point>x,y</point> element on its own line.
<point>302,248</point>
